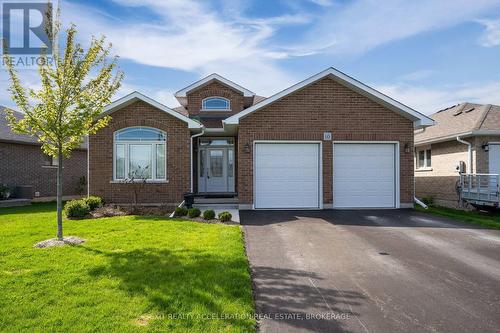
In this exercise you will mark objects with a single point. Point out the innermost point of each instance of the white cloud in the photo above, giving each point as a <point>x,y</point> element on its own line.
<point>417,75</point>
<point>428,100</point>
<point>324,3</point>
<point>191,36</point>
<point>491,35</point>
<point>365,24</point>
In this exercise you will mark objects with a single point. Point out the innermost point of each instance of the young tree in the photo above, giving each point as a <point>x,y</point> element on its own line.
<point>75,88</point>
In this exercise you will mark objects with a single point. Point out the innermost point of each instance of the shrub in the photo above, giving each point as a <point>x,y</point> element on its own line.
<point>181,211</point>
<point>93,202</point>
<point>429,200</point>
<point>209,214</point>
<point>76,209</point>
<point>225,216</point>
<point>4,192</point>
<point>194,212</point>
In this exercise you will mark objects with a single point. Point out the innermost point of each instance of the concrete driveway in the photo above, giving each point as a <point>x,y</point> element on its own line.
<point>372,271</point>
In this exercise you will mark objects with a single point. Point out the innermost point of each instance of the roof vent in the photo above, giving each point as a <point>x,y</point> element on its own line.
<point>459,112</point>
<point>469,110</point>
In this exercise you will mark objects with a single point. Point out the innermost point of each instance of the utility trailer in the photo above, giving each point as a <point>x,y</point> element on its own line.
<point>479,189</point>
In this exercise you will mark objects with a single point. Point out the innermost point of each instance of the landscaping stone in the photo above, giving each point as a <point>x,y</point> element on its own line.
<point>72,240</point>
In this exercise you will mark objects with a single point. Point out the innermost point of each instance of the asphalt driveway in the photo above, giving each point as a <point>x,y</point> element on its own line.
<point>372,271</point>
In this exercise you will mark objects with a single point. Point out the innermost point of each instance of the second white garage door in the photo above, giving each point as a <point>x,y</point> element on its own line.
<point>287,175</point>
<point>364,175</point>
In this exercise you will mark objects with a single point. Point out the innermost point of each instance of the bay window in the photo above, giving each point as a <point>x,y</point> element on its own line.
<point>140,152</point>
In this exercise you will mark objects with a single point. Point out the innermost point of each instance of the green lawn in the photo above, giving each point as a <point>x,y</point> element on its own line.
<point>484,219</point>
<point>133,274</point>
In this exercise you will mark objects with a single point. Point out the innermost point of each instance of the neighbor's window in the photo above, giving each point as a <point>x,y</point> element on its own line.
<point>424,159</point>
<point>140,151</point>
<point>216,103</point>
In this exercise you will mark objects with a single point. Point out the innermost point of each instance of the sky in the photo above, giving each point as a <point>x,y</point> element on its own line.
<point>428,54</point>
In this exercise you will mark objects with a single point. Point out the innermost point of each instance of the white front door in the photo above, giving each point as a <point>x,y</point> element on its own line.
<point>287,175</point>
<point>494,158</point>
<point>364,175</point>
<point>216,170</point>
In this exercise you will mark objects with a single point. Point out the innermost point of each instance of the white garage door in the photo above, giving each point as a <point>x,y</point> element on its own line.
<point>494,158</point>
<point>364,175</point>
<point>287,175</point>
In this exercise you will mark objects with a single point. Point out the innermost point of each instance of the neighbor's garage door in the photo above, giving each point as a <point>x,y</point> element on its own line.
<point>364,175</point>
<point>287,175</point>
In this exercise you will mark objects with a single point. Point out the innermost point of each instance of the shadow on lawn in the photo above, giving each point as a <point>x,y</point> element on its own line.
<point>178,282</point>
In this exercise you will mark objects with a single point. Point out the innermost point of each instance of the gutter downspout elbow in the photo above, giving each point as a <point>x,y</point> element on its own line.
<point>469,152</point>
<point>191,156</point>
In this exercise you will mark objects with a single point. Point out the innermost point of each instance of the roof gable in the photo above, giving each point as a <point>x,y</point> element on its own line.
<point>419,119</point>
<point>206,80</point>
<point>137,96</point>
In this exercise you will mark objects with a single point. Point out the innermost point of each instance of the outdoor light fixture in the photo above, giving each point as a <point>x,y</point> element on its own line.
<point>485,146</point>
<point>407,148</point>
<point>246,148</point>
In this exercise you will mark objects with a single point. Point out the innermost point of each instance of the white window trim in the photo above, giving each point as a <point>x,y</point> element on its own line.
<point>127,144</point>
<point>212,97</point>
<point>424,167</point>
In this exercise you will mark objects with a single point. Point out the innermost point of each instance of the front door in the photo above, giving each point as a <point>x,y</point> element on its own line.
<point>216,170</point>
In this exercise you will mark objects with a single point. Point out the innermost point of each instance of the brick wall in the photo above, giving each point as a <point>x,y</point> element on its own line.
<point>24,164</point>
<point>440,182</point>
<point>325,106</point>
<point>210,90</point>
<point>177,148</point>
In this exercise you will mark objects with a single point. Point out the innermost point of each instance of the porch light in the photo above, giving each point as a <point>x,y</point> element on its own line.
<point>246,148</point>
<point>407,148</point>
<point>485,146</point>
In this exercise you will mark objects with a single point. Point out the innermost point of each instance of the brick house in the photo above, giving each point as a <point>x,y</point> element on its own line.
<point>467,133</point>
<point>327,142</point>
<point>22,163</point>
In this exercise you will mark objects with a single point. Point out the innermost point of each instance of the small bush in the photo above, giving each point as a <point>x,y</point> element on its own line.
<point>209,214</point>
<point>93,202</point>
<point>194,212</point>
<point>429,200</point>
<point>76,209</point>
<point>181,211</point>
<point>225,216</point>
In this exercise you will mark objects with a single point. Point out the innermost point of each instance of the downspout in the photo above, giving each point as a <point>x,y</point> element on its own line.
<point>191,156</point>
<point>469,152</point>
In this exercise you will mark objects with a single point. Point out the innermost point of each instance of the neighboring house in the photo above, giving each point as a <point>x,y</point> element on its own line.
<point>467,133</point>
<point>22,163</point>
<point>329,141</point>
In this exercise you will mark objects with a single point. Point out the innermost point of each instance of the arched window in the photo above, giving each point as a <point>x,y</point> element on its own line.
<point>140,153</point>
<point>216,104</point>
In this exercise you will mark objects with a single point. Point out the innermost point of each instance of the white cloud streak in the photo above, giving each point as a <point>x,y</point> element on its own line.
<point>491,35</point>
<point>429,100</point>
<point>365,24</point>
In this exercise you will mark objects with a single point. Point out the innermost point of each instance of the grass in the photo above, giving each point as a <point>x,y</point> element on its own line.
<point>133,274</point>
<point>485,219</point>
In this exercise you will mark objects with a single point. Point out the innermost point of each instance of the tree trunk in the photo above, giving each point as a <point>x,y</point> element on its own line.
<point>59,195</point>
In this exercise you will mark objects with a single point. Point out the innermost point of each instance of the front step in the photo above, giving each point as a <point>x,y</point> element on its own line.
<point>216,206</point>
<point>215,201</point>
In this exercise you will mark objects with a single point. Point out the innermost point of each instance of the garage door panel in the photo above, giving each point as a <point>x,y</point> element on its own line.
<point>287,175</point>
<point>364,175</point>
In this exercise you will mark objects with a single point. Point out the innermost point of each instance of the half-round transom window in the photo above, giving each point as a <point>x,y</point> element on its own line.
<point>140,154</point>
<point>216,103</point>
<point>140,134</point>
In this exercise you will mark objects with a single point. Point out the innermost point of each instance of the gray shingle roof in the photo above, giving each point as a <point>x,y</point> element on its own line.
<point>6,133</point>
<point>461,119</point>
